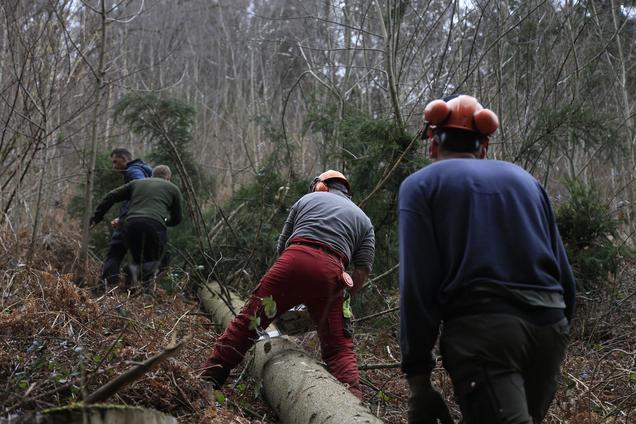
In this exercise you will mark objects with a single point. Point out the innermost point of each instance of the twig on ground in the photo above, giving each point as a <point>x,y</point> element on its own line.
<point>378,314</point>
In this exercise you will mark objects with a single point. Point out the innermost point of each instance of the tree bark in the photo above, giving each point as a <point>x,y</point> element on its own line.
<point>104,414</point>
<point>297,388</point>
<point>92,148</point>
<point>389,35</point>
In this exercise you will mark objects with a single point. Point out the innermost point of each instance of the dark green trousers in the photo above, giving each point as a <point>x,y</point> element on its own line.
<point>504,369</point>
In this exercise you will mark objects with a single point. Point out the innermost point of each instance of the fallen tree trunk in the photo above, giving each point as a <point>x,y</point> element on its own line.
<point>103,414</point>
<point>297,388</point>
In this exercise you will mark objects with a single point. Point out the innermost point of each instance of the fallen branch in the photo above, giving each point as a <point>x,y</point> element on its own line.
<point>132,374</point>
<point>366,367</point>
<point>378,314</point>
<point>381,276</point>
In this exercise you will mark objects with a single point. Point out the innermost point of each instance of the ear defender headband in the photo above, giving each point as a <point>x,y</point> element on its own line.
<point>463,112</point>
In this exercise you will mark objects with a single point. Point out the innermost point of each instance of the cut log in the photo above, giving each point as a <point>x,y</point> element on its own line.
<point>103,414</point>
<point>297,388</point>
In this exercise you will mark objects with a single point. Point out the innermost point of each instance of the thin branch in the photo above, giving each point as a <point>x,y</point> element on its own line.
<point>110,388</point>
<point>378,314</point>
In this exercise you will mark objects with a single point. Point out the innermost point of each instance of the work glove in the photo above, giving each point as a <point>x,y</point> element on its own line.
<point>426,405</point>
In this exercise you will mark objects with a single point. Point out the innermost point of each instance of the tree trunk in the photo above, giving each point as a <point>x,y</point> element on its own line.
<point>92,149</point>
<point>389,35</point>
<point>38,203</point>
<point>104,414</point>
<point>297,388</point>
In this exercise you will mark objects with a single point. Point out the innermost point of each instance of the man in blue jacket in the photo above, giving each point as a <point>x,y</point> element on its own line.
<point>154,204</point>
<point>480,251</point>
<point>130,169</point>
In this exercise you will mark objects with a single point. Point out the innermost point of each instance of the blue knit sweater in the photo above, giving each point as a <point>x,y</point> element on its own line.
<point>465,223</point>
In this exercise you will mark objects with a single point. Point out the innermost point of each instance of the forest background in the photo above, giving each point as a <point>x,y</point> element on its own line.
<point>248,100</point>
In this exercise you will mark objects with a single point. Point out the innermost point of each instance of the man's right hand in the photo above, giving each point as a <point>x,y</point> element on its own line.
<point>426,405</point>
<point>115,223</point>
<point>359,276</point>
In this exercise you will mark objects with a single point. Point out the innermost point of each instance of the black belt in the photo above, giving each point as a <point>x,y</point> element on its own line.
<point>489,304</point>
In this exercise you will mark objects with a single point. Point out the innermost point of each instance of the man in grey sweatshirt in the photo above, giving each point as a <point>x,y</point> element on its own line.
<point>324,233</point>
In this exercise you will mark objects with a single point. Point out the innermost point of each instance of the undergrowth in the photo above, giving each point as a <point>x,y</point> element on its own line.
<point>60,342</point>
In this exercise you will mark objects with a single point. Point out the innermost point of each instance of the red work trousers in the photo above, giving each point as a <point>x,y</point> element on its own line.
<point>301,275</point>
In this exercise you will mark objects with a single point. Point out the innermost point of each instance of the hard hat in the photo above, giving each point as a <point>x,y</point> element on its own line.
<point>463,112</point>
<point>318,183</point>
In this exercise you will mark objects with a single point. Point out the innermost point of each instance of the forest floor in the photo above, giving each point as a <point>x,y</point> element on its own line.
<point>60,342</point>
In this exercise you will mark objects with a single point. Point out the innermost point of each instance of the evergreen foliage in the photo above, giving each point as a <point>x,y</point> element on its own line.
<point>167,124</point>
<point>377,145</point>
<point>248,242</point>
<point>384,155</point>
<point>569,129</point>
<point>590,234</point>
<point>106,179</point>
<point>369,150</point>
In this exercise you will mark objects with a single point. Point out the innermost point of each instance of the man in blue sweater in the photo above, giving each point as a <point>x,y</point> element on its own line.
<point>480,251</point>
<point>131,170</point>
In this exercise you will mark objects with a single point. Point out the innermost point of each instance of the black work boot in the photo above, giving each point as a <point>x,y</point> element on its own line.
<point>213,373</point>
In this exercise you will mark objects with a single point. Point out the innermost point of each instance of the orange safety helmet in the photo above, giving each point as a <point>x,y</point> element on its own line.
<point>318,184</point>
<point>463,112</point>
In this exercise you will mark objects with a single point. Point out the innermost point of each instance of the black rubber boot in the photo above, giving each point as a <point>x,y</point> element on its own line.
<point>213,373</point>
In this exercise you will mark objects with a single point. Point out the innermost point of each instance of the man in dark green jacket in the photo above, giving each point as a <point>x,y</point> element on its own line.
<point>154,204</point>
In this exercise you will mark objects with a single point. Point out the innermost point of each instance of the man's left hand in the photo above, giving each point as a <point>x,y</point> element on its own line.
<point>426,405</point>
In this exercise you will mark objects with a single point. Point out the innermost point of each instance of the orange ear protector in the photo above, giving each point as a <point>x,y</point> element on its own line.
<point>318,185</point>
<point>462,112</point>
